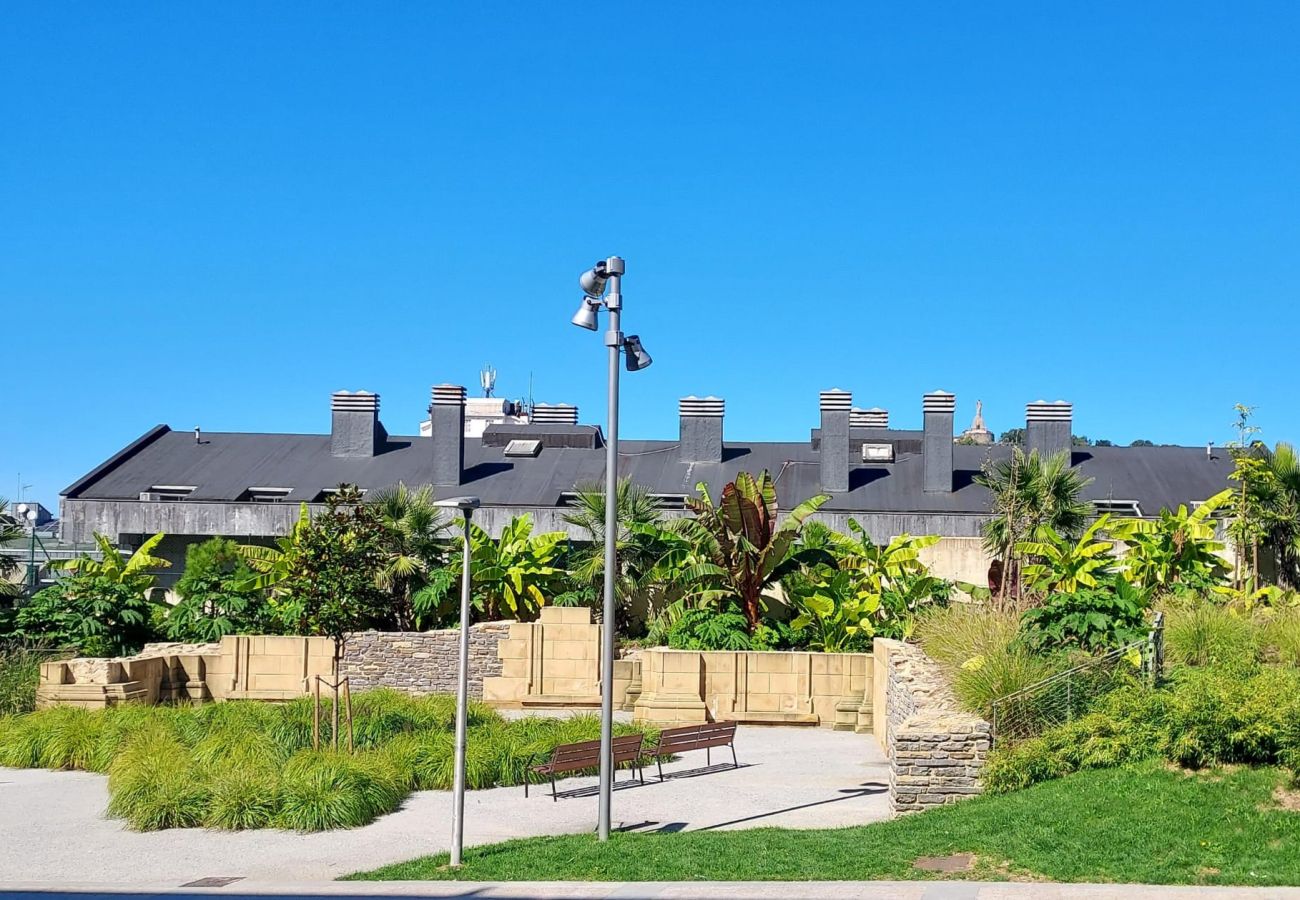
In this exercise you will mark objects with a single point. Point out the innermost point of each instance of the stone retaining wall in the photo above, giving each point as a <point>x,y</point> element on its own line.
<point>936,750</point>
<point>422,662</point>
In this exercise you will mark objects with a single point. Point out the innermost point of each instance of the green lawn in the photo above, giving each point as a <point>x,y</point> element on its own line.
<point>1135,824</point>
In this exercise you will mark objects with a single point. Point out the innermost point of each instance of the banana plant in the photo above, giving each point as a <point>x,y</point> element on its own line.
<point>132,571</point>
<point>514,573</point>
<point>838,614</point>
<point>1177,548</point>
<point>273,564</point>
<point>737,548</point>
<point>1063,566</point>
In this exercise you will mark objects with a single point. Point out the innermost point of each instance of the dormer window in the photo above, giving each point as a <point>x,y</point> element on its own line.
<point>265,495</point>
<point>167,493</point>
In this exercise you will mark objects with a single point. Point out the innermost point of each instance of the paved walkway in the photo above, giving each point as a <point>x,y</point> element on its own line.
<point>53,829</point>
<point>761,890</point>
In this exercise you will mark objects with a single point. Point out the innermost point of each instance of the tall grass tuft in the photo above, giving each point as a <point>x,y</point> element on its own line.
<point>1206,634</point>
<point>956,634</point>
<point>1281,636</point>
<point>243,796</point>
<point>20,672</point>
<point>154,784</point>
<point>326,790</point>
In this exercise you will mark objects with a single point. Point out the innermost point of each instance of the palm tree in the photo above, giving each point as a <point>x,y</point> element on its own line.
<point>1028,493</point>
<point>639,542</point>
<point>414,539</point>
<point>1275,494</point>
<point>10,530</point>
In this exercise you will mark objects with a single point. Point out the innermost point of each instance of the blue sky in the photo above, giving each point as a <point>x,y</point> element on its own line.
<point>215,214</point>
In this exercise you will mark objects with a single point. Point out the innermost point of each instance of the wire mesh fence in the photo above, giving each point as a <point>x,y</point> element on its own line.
<point>1066,695</point>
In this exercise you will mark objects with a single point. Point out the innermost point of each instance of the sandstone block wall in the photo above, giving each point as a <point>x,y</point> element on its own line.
<point>422,662</point>
<point>936,750</point>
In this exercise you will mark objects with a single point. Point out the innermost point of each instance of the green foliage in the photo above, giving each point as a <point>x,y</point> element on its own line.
<point>833,612</point>
<point>1029,492</point>
<point>414,534</point>
<point>20,672</point>
<point>274,565</point>
<point>705,628</point>
<point>132,571</point>
<point>11,530</point>
<point>332,588</point>
<point>245,764</point>
<point>1205,634</point>
<point>1206,717</point>
<point>1062,565</point>
<point>513,574</point>
<point>735,551</point>
<point>1175,553</point>
<point>95,614</point>
<point>954,635</point>
<point>1280,636</point>
<point>217,596</point>
<point>1105,617</point>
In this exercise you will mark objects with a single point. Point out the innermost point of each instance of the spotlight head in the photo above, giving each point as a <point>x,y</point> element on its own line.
<point>593,280</point>
<point>585,317</point>
<point>31,515</point>
<point>22,509</point>
<point>634,354</point>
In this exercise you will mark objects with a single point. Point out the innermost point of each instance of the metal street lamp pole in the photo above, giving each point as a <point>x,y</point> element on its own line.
<point>466,505</point>
<point>614,341</point>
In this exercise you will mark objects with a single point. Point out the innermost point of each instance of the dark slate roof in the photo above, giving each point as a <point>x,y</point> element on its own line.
<point>224,465</point>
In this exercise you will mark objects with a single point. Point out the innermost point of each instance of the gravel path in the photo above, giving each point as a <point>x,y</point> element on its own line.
<point>53,828</point>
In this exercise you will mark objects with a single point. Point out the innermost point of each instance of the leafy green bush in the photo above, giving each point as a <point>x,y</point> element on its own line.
<point>1204,634</point>
<point>1205,717</point>
<point>1100,618</point>
<point>217,596</point>
<point>245,764</point>
<point>95,614</point>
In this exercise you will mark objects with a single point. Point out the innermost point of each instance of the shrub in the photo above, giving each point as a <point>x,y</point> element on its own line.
<point>1208,635</point>
<point>217,596</point>
<point>1281,636</point>
<point>321,791</point>
<point>964,631</point>
<point>1206,717</point>
<point>1091,619</point>
<point>243,796</point>
<point>20,672</point>
<point>154,784</point>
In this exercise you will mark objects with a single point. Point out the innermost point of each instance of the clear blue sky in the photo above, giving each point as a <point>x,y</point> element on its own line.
<point>215,214</point>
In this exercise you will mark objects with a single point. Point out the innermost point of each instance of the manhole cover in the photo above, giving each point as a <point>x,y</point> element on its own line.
<point>213,882</point>
<point>958,862</point>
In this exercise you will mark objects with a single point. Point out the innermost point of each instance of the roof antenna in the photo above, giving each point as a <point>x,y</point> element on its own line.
<point>197,437</point>
<point>1209,449</point>
<point>488,379</point>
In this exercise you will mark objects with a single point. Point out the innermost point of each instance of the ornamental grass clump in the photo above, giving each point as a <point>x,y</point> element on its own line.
<point>1206,634</point>
<point>246,764</point>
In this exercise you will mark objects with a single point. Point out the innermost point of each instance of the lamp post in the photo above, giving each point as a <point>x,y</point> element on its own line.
<point>609,273</point>
<point>466,505</point>
<point>29,514</point>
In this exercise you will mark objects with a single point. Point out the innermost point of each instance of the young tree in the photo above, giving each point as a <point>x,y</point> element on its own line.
<point>414,534</point>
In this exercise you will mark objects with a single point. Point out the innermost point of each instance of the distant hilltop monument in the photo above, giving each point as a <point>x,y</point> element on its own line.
<point>978,433</point>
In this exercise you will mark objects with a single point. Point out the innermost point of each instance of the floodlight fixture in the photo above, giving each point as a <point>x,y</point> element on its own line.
<point>634,354</point>
<point>585,317</point>
<point>593,280</point>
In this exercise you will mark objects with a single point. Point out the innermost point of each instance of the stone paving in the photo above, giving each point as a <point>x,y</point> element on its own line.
<point>53,829</point>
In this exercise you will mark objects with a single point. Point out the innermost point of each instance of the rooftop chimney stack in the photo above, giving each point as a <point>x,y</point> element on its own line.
<point>1049,427</point>
<point>447,427</point>
<point>555,414</point>
<point>937,410</point>
<point>836,409</point>
<point>701,428</point>
<point>869,418</point>
<point>355,430</point>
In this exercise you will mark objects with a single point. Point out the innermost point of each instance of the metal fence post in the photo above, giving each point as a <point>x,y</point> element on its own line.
<point>1158,649</point>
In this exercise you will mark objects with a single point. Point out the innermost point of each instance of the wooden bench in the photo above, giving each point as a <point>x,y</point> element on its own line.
<point>694,737</point>
<point>586,755</point>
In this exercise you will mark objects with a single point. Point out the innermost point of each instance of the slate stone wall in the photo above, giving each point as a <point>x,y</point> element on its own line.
<point>422,662</point>
<point>936,750</point>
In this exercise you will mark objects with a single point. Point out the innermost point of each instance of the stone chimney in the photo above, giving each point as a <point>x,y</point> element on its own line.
<point>555,414</point>
<point>701,428</point>
<point>836,409</point>
<point>447,427</point>
<point>869,418</point>
<point>355,430</point>
<point>1049,427</point>
<point>937,410</point>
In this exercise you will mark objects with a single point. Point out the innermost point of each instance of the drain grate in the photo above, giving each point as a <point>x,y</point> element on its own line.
<point>213,882</point>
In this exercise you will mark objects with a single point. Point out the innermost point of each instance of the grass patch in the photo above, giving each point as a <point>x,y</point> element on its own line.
<point>246,764</point>
<point>1139,823</point>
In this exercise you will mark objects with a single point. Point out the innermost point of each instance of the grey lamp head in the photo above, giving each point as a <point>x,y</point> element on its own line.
<point>635,355</point>
<point>465,504</point>
<point>585,317</point>
<point>593,281</point>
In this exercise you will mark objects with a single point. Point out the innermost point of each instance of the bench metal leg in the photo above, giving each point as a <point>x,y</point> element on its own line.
<point>734,763</point>
<point>659,764</point>
<point>554,796</point>
<point>525,784</point>
<point>708,757</point>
